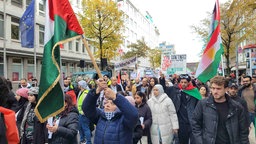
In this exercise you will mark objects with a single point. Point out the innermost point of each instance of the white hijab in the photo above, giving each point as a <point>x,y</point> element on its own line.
<point>160,89</point>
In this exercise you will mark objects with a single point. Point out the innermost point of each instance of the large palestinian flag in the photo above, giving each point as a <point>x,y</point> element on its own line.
<point>61,24</point>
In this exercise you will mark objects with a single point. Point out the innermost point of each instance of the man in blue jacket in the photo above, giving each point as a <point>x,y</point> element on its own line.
<point>115,123</point>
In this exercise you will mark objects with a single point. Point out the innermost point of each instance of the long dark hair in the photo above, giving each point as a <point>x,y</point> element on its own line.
<point>142,95</point>
<point>69,105</point>
<point>4,90</point>
<point>206,89</point>
<point>151,87</point>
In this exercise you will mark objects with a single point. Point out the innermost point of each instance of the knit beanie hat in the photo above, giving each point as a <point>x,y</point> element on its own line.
<point>23,92</point>
<point>83,84</point>
<point>34,91</point>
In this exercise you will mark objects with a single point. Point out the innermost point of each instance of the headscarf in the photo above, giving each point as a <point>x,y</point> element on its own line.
<point>160,89</point>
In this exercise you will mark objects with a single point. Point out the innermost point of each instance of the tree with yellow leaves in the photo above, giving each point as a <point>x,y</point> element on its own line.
<point>103,24</point>
<point>155,58</point>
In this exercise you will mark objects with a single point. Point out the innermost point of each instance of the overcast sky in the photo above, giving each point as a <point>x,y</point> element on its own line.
<point>174,18</point>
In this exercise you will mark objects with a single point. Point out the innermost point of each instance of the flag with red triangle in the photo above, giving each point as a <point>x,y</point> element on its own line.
<point>60,24</point>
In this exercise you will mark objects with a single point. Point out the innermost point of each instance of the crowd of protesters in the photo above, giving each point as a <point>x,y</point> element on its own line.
<point>178,109</point>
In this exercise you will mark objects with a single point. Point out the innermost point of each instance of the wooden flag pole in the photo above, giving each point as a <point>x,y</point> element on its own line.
<point>88,50</point>
<point>91,56</point>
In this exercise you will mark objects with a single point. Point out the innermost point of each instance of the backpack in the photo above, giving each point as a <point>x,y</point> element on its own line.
<point>9,124</point>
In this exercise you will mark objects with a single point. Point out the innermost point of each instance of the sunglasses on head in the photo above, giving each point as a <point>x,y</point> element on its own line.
<point>184,76</point>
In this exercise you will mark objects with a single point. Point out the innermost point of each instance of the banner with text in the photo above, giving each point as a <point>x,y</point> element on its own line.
<point>178,64</point>
<point>125,63</point>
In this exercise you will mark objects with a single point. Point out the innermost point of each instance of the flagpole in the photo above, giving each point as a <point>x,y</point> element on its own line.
<point>5,61</point>
<point>222,63</point>
<point>237,65</point>
<point>35,43</point>
<point>91,56</point>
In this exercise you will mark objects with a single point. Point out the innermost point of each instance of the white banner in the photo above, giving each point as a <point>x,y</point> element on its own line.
<point>125,63</point>
<point>178,64</point>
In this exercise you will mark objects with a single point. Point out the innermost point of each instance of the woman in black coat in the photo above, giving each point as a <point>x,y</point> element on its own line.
<point>144,115</point>
<point>65,125</point>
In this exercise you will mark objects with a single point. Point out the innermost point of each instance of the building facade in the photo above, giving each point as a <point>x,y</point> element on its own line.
<point>26,62</point>
<point>138,25</point>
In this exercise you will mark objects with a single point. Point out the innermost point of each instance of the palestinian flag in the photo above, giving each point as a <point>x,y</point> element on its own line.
<point>61,25</point>
<point>211,57</point>
<point>192,91</point>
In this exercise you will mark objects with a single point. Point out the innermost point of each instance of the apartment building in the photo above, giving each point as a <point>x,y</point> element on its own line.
<point>26,62</point>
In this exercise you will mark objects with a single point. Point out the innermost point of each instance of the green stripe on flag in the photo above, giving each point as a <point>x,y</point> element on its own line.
<point>194,92</point>
<point>211,70</point>
<point>51,98</point>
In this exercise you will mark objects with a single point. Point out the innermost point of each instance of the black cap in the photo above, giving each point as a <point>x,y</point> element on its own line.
<point>233,85</point>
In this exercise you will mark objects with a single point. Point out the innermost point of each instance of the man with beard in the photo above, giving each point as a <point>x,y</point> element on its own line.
<point>218,119</point>
<point>115,86</point>
<point>247,92</point>
<point>68,90</point>
<point>232,91</point>
<point>185,97</point>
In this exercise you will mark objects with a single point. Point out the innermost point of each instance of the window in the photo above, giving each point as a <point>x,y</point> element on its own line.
<point>83,48</point>
<point>17,2</point>
<point>71,68</point>
<point>16,69</point>
<point>41,34</point>
<point>1,66</point>
<point>30,69</point>
<point>15,28</point>
<point>77,45</point>
<point>42,7</point>
<point>64,69</point>
<point>70,46</point>
<point>1,25</point>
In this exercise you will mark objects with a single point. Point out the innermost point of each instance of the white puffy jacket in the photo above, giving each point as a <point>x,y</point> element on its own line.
<point>164,116</point>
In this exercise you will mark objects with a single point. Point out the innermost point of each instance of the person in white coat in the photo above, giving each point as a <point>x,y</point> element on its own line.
<point>165,120</point>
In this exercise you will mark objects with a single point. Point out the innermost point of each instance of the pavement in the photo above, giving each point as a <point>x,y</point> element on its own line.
<point>252,135</point>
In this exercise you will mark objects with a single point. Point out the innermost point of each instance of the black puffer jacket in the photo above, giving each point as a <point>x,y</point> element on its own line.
<point>205,122</point>
<point>67,129</point>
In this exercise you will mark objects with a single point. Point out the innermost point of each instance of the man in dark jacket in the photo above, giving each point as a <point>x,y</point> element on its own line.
<point>232,91</point>
<point>115,124</point>
<point>185,104</point>
<point>248,93</point>
<point>115,86</point>
<point>219,119</point>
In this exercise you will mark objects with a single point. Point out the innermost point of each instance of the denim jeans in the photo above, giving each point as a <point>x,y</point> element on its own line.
<point>84,129</point>
<point>252,116</point>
